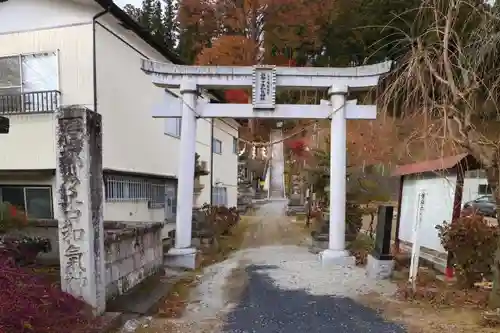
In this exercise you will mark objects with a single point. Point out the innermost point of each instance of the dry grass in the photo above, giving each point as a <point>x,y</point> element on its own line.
<point>425,318</point>
<point>226,244</point>
<point>274,231</point>
<point>436,307</point>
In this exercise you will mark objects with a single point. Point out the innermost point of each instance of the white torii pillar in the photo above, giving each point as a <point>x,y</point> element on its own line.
<point>263,80</point>
<point>338,170</point>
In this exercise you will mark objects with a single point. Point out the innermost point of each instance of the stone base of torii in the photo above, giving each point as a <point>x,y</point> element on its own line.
<point>263,80</point>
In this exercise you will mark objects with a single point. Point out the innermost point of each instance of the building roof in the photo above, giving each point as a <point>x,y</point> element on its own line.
<point>145,35</point>
<point>465,161</point>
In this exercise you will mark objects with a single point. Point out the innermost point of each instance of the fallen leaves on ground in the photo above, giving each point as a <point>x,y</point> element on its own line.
<point>177,300</point>
<point>434,306</point>
<point>437,293</point>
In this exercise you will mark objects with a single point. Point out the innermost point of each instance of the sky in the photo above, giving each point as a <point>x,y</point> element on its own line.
<point>122,3</point>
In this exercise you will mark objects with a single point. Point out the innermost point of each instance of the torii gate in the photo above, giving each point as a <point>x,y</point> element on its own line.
<point>264,80</point>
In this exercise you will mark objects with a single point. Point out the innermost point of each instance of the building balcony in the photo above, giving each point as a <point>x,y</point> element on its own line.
<point>30,102</point>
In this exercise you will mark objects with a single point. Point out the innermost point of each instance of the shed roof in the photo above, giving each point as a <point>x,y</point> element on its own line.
<point>466,161</point>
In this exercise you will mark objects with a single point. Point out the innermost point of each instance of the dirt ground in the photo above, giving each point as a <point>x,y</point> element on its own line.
<point>424,318</point>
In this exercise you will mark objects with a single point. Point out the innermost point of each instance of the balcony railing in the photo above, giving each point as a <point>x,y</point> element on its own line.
<point>30,102</point>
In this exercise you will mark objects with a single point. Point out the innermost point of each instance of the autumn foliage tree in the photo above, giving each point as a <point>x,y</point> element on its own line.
<point>197,21</point>
<point>249,32</point>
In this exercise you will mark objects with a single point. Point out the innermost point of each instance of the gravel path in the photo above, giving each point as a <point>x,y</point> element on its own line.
<point>274,285</point>
<point>288,291</point>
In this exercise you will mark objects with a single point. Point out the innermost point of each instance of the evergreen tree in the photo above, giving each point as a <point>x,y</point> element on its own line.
<point>170,23</point>
<point>146,14</point>
<point>157,28</point>
<point>133,12</point>
<point>370,35</point>
<point>188,47</point>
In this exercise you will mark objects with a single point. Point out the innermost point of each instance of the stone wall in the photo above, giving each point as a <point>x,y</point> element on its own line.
<point>133,251</point>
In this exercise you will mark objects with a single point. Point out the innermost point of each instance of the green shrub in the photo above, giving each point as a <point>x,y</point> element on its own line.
<point>354,221</point>
<point>361,247</point>
<point>473,242</point>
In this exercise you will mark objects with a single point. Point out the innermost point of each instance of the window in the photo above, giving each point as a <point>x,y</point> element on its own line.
<point>123,188</point>
<point>216,146</point>
<point>219,196</point>
<point>36,201</point>
<point>171,201</point>
<point>173,127</point>
<point>235,145</point>
<point>158,194</point>
<point>484,189</point>
<point>29,83</point>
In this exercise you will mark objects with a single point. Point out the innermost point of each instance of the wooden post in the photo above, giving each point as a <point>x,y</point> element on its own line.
<point>457,208</point>
<point>398,218</point>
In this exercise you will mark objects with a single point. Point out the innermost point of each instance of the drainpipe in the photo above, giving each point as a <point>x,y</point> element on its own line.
<point>94,54</point>
<point>212,161</point>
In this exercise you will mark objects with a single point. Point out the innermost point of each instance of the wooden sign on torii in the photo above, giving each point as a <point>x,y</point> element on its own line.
<point>264,81</point>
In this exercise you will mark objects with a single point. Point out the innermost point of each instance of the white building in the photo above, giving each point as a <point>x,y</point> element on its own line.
<point>440,182</point>
<point>88,52</point>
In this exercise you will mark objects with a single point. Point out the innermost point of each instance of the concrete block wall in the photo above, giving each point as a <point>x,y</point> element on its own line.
<point>133,251</point>
<point>130,260</point>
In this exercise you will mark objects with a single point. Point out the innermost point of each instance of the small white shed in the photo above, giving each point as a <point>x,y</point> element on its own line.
<point>446,188</point>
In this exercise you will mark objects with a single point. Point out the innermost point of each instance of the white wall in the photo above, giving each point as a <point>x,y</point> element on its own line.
<point>26,15</point>
<point>132,211</point>
<point>203,148</point>
<point>132,140</point>
<point>74,46</point>
<point>438,207</point>
<point>226,164</point>
<point>471,188</point>
<point>127,122</point>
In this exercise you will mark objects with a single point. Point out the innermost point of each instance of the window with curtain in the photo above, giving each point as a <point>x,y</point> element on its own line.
<point>25,78</point>
<point>219,196</point>
<point>28,73</point>
<point>173,127</point>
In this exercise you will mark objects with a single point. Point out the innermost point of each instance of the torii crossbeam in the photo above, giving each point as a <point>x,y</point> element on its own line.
<point>264,80</point>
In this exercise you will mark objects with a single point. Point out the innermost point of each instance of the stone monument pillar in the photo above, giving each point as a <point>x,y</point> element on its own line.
<point>80,196</point>
<point>380,262</point>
